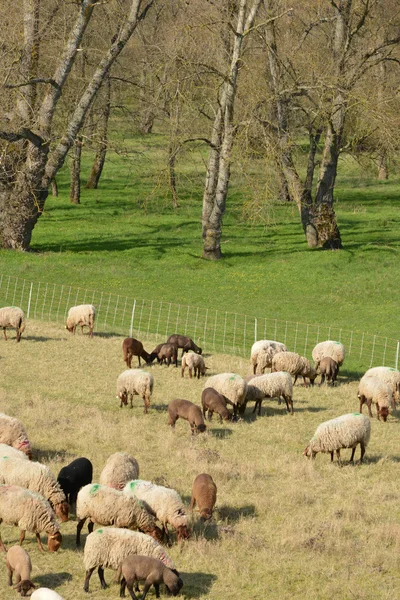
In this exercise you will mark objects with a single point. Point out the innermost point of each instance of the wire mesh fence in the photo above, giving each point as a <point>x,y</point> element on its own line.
<point>214,330</point>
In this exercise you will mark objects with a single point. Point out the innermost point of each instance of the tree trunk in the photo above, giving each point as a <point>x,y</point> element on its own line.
<point>98,164</point>
<point>75,185</point>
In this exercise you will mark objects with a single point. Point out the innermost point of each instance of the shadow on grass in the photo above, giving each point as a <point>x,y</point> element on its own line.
<point>52,580</point>
<point>31,338</point>
<point>220,433</point>
<point>51,455</point>
<point>232,514</point>
<point>197,584</point>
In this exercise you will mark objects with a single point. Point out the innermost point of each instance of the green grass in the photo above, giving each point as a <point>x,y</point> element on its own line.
<point>284,527</point>
<point>125,237</point>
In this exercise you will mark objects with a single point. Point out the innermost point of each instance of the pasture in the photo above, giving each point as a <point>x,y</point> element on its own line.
<point>284,527</point>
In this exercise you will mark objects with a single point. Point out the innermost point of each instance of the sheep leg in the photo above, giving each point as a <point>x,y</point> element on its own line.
<point>338,458</point>
<point>322,378</point>
<point>352,454</point>
<point>10,574</point>
<point>295,379</point>
<point>259,407</point>
<point>100,572</point>
<point>2,546</point>
<point>210,414</point>
<point>88,575</point>
<point>130,590</point>
<point>4,332</point>
<point>369,408</point>
<point>183,369</point>
<point>192,503</point>
<point>378,414</point>
<point>332,456</point>
<point>362,445</point>
<point>39,541</point>
<point>90,526</point>
<point>122,588</point>
<point>78,531</point>
<point>190,372</point>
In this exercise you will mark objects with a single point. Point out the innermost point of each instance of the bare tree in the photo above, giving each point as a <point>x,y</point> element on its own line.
<point>102,135</point>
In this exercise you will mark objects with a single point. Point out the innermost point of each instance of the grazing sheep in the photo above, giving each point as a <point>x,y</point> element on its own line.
<point>6,450</point>
<point>30,512</point>
<point>120,468</point>
<point>72,477</point>
<point>212,401</point>
<point>329,348</point>
<point>204,493</point>
<point>296,365</point>
<point>184,342</point>
<point>188,411</point>
<point>12,432</point>
<point>373,390</point>
<point>150,570</point>
<point>262,353</point>
<point>83,315</point>
<point>12,316</point>
<point>233,387</point>
<point>165,353</point>
<point>132,347</point>
<point>164,503</point>
<point>19,562</point>
<point>135,382</point>
<point>106,506</point>
<point>45,594</point>
<point>271,385</point>
<point>389,376</point>
<point>329,369</point>
<point>346,431</point>
<point>35,477</point>
<point>195,363</point>
<point>107,548</point>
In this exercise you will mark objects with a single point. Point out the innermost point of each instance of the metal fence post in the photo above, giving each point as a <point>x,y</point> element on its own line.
<point>133,316</point>
<point>255,330</point>
<point>397,355</point>
<point>29,301</point>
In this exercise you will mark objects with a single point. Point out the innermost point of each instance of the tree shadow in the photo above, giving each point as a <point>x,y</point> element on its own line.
<point>196,585</point>
<point>52,580</point>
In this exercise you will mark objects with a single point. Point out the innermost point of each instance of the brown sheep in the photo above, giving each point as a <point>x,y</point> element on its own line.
<point>188,411</point>
<point>204,493</point>
<point>184,342</point>
<point>168,353</point>
<point>212,401</point>
<point>137,568</point>
<point>132,347</point>
<point>329,369</point>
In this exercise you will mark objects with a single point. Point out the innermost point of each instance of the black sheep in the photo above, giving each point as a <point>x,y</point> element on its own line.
<point>74,476</point>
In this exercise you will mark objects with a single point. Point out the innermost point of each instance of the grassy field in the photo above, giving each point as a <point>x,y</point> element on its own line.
<point>126,238</point>
<point>284,527</point>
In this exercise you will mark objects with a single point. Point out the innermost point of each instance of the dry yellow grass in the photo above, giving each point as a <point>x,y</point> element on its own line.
<point>284,527</point>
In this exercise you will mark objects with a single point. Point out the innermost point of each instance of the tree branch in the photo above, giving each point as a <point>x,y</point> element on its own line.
<point>12,86</point>
<point>23,134</point>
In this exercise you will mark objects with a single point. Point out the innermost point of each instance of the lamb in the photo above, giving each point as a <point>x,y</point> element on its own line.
<point>73,476</point>
<point>6,450</point>
<point>212,401</point>
<point>204,493</point>
<point>30,512</point>
<point>107,506</point>
<point>233,387</point>
<point>35,477</point>
<point>164,503</point>
<point>329,348</point>
<point>45,594</point>
<point>120,468</point>
<point>389,376</point>
<point>135,381</point>
<point>165,353</point>
<point>346,431</point>
<point>373,390</point>
<point>132,347</point>
<point>296,365</point>
<point>184,342</point>
<point>195,363</point>
<point>107,548</point>
<point>12,432</point>
<point>262,353</point>
<point>329,369</point>
<point>271,385</point>
<point>83,315</point>
<point>188,411</point>
<point>19,562</point>
<point>138,568</point>
<point>12,316</point>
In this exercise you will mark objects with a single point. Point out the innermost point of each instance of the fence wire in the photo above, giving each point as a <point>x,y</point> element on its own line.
<point>213,330</point>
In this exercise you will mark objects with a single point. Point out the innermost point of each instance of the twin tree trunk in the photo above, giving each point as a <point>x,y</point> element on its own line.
<point>100,158</point>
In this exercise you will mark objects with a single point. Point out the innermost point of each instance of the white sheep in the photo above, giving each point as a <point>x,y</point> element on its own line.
<point>195,363</point>
<point>270,385</point>
<point>346,431</point>
<point>135,382</point>
<point>296,365</point>
<point>389,376</point>
<point>19,563</point>
<point>373,390</point>
<point>35,477</point>
<point>164,503</point>
<point>120,468</point>
<point>83,315</point>
<point>331,349</point>
<point>107,548</point>
<point>262,353</point>
<point>6,450</point>
<point>12,316</point>
<point>233,387</point>
<point>30,512</point>
<point>45,594</point>
<point>13,433</point>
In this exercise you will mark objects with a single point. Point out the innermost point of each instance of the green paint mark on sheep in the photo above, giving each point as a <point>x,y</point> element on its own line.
<point>233,378</point>
<point>99,531</point>
<point>356,414</point>
<point>94,489</point>
<point>133,484</point>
